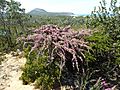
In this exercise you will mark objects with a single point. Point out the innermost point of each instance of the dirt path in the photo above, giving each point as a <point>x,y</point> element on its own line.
<point>10,72</point>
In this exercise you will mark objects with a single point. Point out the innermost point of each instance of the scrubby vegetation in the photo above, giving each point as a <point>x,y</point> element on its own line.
<point>77,52</point>
<point>12,24</point>
<point>63,49</point>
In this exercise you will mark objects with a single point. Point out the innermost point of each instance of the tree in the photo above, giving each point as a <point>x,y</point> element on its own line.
<point>13,20</point>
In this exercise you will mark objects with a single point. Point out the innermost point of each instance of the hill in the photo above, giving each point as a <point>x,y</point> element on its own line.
<point>41,12</point>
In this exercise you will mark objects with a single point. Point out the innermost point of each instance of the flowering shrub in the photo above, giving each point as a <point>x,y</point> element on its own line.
<point>60,44</point>
<point>64,48</point>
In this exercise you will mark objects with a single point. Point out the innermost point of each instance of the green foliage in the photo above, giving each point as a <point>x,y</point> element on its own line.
<point>62,21</point>
<point>100,41</point>
<point>105,42</point>
<point>107,19</point>
<point>12,22</point>
<point>36,70</point>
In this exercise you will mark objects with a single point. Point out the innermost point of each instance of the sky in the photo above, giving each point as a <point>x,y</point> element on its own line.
<point>74,6</point>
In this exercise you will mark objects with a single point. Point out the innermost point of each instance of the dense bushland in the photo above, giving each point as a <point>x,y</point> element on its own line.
<point>105,42</point>
<point>56,56</point>
<point>80,59</point>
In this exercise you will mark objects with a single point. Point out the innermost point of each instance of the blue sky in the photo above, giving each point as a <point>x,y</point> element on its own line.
<point>75,6</point>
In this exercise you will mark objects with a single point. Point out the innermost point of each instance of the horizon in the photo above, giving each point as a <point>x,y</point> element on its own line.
<point>77,7</point>
<point>61,12</point>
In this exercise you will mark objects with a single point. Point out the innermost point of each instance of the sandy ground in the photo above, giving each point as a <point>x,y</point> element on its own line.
<point>10,72</point>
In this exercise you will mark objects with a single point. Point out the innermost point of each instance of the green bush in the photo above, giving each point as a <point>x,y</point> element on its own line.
<point>36,70</point>
<point>105,42</point>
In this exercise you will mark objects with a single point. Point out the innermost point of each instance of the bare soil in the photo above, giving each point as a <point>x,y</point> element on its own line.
<point>10,71</point>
